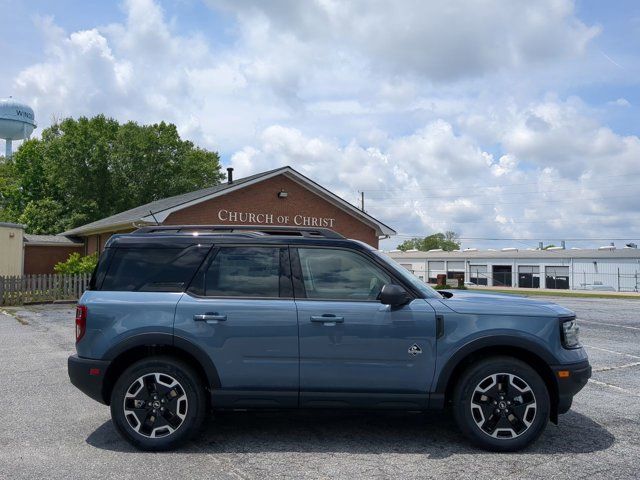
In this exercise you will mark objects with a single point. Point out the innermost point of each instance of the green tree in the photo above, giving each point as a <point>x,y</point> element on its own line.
<point>85,169</point>
<point>447,241</point>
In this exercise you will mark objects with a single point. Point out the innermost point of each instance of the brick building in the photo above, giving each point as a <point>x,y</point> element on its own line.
<point>277,197</point>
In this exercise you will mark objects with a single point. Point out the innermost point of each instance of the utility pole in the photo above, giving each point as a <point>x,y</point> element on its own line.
<point>362,201</point>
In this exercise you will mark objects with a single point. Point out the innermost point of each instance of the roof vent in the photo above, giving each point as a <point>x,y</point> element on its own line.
<point>230,175</point>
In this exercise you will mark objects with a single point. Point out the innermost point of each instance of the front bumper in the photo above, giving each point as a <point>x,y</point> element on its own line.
<point>570,383</point>
<point>88,375</point>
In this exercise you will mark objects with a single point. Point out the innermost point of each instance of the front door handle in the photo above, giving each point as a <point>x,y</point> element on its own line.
<point>210,317</point>
<point>327,319</point>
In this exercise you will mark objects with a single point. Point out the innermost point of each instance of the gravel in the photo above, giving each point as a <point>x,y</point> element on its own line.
<point>48,429</point>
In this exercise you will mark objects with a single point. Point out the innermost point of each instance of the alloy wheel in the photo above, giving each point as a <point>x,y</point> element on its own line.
<point>155,405</point>
<point>503,405</point>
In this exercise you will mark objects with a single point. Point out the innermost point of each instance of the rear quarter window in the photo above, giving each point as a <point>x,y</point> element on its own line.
<point>153,269</point>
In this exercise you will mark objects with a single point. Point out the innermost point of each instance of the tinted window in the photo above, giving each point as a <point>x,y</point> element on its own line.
<point>244,272</point>
<point>340,274</point>
<point>153,269</point>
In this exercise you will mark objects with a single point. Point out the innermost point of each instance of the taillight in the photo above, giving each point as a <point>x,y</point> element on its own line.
<point>81,321</point>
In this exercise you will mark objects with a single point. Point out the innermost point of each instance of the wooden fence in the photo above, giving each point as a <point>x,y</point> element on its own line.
<point>42,288</point>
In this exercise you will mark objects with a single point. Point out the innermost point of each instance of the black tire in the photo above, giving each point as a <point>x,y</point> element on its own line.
<point>499,394</point>
<point>158,403</point>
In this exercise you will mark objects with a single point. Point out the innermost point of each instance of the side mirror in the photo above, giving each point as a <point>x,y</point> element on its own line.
<point>394,295</point>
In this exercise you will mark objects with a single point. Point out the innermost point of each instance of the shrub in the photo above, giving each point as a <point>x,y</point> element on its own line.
<point>77,264</point>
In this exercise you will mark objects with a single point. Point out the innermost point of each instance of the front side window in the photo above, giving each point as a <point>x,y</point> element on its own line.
<point>340,275</point>
<point>244,272</point>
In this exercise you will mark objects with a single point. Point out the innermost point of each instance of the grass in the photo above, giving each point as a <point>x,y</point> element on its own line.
<point>558,293</point>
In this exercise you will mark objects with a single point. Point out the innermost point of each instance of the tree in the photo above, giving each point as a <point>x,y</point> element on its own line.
<point>90,168</point>
<point>447,241</point>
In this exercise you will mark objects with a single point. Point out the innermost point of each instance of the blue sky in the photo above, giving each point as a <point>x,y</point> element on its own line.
<point>496,119</point>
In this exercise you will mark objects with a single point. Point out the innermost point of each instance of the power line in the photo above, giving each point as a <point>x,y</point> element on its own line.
<point>531,192</point>
<point>531,239</point>
<point>457,187</point>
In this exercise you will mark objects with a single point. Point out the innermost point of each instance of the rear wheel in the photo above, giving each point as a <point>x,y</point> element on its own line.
<point>158,403</point>
<point>501,404</point>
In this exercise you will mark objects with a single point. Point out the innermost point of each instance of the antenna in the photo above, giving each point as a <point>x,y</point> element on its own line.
<point>154,217</point>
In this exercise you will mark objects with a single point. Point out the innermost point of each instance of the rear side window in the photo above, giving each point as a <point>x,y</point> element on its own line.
<point>245,272</point>
<point>153,269</point>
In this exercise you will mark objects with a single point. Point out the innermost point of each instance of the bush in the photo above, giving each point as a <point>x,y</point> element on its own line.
<point>77,264</point>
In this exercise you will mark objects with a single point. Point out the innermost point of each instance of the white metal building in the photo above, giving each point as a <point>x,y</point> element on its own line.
<point>606,268</point>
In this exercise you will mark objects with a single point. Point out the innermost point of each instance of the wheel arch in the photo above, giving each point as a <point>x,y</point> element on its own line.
<point>531,353</point>
<point>150,344</point>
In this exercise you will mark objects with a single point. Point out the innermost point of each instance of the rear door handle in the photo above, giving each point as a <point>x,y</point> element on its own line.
<point>327,319</point>
<point>210,317</point>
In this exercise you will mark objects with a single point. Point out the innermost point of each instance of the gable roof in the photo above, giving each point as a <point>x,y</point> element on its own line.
<point>160,209</point>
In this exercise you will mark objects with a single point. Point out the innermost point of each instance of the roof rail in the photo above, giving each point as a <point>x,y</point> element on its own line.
<point>247,229</point>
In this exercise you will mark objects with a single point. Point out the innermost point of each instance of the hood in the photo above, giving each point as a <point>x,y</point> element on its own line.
<point>481,303</point>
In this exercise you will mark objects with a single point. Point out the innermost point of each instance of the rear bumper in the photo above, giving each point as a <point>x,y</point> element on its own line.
<point>568,386</point>
<point>88,375</point>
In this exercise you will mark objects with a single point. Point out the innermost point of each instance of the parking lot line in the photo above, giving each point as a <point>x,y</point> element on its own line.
<point>606,369</point>
<point>608,324</point>
<point>613,387</point>
<point>611,351</point>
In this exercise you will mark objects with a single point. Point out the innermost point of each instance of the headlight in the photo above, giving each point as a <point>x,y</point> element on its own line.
<point>569,332</point>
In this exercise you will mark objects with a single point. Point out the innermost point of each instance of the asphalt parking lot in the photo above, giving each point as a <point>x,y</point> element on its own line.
<point>48,429</point>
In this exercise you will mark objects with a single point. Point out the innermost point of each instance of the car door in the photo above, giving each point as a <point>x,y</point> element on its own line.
<point>355,351</point>
<point>240,311</point>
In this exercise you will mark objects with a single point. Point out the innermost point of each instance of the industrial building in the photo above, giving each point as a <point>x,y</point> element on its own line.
<point>606,268</point>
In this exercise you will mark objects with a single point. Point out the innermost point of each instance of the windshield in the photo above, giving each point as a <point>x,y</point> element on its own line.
<point>408,277</point>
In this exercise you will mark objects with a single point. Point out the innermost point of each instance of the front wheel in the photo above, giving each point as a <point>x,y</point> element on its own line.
<point>158,403</point>
<point>501,404</point>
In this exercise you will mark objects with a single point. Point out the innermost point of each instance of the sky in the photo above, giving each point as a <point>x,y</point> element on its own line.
<point>510,120</point>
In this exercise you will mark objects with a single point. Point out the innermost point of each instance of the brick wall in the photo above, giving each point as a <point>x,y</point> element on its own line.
<point>301,207</point>
<point>39,259</point>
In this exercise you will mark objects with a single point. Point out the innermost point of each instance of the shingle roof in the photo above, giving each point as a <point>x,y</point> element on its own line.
<point>136,214</point>
<point>161,208</point>
<point>31,239</point>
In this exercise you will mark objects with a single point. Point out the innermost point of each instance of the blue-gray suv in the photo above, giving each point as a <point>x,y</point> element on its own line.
<point>179,321</point>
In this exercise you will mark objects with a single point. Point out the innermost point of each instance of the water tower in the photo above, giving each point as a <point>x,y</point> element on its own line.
<point>17,121</point>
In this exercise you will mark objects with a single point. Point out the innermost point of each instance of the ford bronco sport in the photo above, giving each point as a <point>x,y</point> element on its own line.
<point>178,321</point>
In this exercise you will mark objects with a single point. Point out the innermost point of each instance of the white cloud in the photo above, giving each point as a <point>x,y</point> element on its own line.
<point>439,111</point>
<point>441,40</point>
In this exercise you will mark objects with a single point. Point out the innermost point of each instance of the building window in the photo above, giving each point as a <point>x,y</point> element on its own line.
<point>408,266</point>
<point>529,276</point>
<point>478,274</point>
<point>557,278</point>
<point>435,268</point>
<point>502,275</point>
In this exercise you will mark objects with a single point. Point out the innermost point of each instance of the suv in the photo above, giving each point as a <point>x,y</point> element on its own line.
<point>181,320</point>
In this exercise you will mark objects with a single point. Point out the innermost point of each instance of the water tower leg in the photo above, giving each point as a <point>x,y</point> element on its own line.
<point>7,149</point>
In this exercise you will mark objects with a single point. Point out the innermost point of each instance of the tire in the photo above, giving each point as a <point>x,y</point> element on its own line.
<point>158,403</point>
<point>501,404</point>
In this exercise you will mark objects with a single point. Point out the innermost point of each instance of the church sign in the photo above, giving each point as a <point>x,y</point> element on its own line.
<point>252,218</point>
